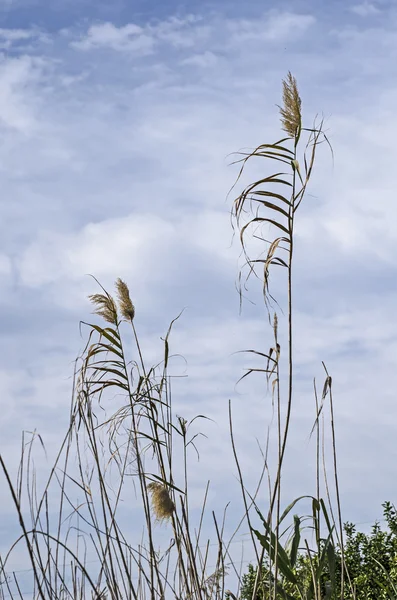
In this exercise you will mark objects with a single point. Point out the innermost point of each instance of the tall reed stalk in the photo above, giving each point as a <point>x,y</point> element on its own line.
<point>272,202</point>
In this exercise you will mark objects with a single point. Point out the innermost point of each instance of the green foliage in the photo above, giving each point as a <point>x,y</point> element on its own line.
<point>371,559</point>
<point>370,562</point>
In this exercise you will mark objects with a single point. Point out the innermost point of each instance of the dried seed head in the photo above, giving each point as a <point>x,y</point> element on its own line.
<point>127,309</point>
<point>163,506</point>
<point>105,307</point>
<point>291,111</point>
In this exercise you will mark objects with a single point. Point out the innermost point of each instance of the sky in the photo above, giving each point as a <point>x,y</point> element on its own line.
<point>117,124</point>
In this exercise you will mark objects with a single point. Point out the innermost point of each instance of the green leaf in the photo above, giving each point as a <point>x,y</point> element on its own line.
<point>323,557</point>
<point>332,564</point>
<point>107,369</point>
<point>101,347</point>
<point>291,506</point>
<point>105,333</point>
<point>282,557</point>
<point>295,540</point>
<point>325,513</point>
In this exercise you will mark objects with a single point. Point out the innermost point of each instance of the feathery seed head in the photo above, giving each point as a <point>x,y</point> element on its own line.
<point>291,110</point>
<point>105,307</point>
<point>162,504</point>
<point>127,309</point>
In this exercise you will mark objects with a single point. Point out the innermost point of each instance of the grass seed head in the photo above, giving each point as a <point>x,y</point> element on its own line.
<point>291,110</point>
<point>127,309</point>
<point>105,307</point>
<point>163,506</point>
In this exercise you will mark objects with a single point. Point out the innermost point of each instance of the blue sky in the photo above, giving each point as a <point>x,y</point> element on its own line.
<point>116,122</point>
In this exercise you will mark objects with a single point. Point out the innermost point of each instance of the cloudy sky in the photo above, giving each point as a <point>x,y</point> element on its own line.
<point>117,120</point>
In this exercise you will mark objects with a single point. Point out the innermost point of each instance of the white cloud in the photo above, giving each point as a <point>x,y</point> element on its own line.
<point>23,39</point>
<point>180,33</point>
<point>142,248</point>
<point>96,249</point>
<point>190,32</point>
<point>17,102</point>
<point>273,27</point>
<point>365,9</point>
<point>15,34</point>
<point>204,60</point>
<point>129,38</point>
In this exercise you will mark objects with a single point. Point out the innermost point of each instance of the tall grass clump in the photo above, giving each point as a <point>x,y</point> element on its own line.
<point>81,548</point>
<point>122,471</point>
